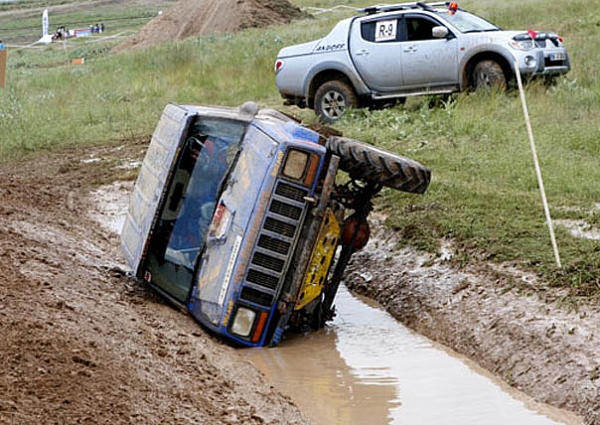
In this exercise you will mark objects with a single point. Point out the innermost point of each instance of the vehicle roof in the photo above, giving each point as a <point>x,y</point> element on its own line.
<point>246,112</point>
<point>276,124</point>
<point>420,5</point>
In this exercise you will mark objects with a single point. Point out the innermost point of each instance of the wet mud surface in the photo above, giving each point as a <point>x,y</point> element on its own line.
<point>367,368</point>
<point>491,314</point>
<point>83,343</point>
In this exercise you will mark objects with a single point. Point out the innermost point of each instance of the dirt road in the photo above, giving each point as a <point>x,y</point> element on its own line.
<point>82,343</point>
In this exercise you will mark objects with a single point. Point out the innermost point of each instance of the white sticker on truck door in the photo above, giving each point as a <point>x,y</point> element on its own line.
<point>386,30</point>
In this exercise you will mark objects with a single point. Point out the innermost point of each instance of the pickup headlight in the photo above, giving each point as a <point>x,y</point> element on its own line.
<point>522,44</point>
<point>243,322</point>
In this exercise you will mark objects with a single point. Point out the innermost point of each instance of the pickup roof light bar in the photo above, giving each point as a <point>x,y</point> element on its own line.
<point>402,6</point>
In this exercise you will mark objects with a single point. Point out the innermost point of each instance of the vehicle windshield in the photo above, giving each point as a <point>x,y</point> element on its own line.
<point>207,154</point>
<point>467,22</point>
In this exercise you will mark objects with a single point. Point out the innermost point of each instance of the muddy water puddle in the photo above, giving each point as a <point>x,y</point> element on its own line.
<point>366,368</point>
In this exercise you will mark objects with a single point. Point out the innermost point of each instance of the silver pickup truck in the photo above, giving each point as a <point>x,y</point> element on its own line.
<point>387,53</point>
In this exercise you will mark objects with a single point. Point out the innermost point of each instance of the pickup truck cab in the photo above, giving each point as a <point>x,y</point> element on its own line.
<point>236,217</point>
<point>390,52</point>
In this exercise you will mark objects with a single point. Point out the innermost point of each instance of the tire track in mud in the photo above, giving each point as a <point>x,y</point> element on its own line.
<point>215,7</point>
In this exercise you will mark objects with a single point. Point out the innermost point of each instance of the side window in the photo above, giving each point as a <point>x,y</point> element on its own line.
<point>419,28</point>
<point>380,31</point>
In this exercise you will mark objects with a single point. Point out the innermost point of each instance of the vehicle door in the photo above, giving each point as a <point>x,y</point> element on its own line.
<point>151,181</point>
<point>189,202</point>
<point>427,61</point>
<point>375,49</point>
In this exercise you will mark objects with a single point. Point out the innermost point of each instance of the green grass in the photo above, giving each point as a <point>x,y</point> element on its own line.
<point>21,23</point>
<point>484,193</point>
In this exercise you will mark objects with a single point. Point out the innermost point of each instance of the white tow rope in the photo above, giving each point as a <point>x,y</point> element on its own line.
<point>537,166</point>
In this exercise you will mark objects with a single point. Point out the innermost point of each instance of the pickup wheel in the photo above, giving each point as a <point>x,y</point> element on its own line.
<point>332,100</point>
<point>488,74</point>
<point>377,166</point>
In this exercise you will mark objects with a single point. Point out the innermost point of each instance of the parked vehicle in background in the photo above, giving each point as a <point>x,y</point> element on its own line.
<point>236,217</point>
<point>390,52</point>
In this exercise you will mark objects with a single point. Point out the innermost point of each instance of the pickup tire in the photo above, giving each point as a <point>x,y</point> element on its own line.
<point>333,99</point>
<point>488,74</point>
<point>377,166</point>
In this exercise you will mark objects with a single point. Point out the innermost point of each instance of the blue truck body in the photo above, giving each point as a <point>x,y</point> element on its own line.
<point>236,218</point>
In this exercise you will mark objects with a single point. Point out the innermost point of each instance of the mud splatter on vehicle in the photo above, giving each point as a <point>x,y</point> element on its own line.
<point>237,216</point>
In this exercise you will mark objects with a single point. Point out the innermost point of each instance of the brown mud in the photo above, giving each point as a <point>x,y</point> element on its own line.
<point>83,343</point>
<point>201,18</point>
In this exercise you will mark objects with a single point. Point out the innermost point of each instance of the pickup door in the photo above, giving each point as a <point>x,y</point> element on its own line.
<point>395,53</point>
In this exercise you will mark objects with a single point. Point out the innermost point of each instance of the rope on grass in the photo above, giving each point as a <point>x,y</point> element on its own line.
<point>537,166</point>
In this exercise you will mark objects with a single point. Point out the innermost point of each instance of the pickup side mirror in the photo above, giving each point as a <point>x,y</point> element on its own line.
<point>439,32</point>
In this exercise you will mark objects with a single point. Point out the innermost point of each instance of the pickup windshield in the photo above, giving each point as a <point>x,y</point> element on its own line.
<point>185,216</point>
<point>467,22</point>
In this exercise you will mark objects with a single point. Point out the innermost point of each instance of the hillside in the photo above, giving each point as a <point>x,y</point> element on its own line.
<point>201,18</point>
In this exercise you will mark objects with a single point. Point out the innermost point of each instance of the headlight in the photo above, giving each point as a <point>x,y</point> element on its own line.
<point>522,44</point>
<point>295,164</point>
<point>243,322</point>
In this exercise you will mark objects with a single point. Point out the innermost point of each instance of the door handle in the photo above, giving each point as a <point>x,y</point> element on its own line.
<point>361,52</point>
<point>409,49</point>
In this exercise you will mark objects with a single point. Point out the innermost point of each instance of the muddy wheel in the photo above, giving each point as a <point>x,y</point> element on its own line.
<point>377,166</point>
<point>333,99</point>
<point>488,74</point>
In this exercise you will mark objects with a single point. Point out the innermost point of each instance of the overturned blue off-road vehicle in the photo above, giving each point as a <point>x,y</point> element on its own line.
<point>236,217</point>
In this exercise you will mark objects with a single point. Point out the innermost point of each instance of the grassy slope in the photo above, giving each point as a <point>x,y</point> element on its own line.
<point>484,193</point>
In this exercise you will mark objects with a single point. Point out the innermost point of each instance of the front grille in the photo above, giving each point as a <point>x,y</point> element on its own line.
<point>254,296</point>
<point>280,227</point>
<point>276,245</point>
<point>262,279</point>
<point>274,248</point>
<point>285,210</point>
<point>268,262</point>
<point>291,192</point>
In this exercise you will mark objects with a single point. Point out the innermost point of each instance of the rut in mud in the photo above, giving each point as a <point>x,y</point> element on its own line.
<point>366,368</point>
<point>491,314</point>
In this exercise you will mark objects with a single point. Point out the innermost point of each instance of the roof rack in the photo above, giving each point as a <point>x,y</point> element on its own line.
<point>380,8</point>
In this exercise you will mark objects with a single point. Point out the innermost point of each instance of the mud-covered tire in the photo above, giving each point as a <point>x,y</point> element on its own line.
<point>488,74</point>
<point>333,99</point>
<point>377,166</point>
